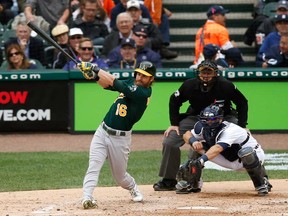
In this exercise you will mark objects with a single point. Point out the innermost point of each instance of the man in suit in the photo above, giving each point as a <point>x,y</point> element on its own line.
<point>33,47</point>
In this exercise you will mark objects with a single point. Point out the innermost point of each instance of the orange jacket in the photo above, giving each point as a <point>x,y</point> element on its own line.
<point>213,33</point>
<point>155,9</point>
<point>108,5</point>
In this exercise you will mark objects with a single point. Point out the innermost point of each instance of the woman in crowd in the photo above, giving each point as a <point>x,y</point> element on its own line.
<point>16,58</point>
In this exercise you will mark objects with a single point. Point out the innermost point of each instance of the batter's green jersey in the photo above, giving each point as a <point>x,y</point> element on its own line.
<point>129,106</point>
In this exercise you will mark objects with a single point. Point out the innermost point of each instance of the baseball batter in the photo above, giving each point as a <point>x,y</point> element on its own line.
<point>227,145</point>
<point>112,138</point>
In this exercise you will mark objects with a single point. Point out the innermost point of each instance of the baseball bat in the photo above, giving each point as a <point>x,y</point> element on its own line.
<point>47,38</point>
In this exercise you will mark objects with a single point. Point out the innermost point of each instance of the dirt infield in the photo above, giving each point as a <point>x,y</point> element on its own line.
<point>225,198</point>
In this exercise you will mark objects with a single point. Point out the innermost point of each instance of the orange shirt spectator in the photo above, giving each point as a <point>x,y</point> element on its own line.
<point>155,9</point>
<point>213,31</point>
<point>108,5</point>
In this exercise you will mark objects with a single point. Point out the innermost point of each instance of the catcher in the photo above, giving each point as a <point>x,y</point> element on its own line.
<point>225,144</point>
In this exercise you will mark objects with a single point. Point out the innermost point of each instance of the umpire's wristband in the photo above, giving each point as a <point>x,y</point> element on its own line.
<point>191,140</point>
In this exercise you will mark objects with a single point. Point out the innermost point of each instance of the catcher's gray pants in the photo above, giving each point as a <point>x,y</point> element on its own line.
<point>171,154</point>
<point>116,150</point>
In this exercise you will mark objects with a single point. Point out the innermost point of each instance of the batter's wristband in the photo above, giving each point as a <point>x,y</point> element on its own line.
<point>192,140</point>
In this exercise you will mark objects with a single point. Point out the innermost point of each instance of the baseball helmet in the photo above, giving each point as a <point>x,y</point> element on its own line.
<point>147,68</point>
<point>212,116</point>
<point>207,66</point>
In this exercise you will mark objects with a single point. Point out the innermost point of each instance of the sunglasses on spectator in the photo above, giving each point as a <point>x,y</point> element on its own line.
<point>140,35</point>
<point>14,54</point>
<point>86,48</point>
<point>75,37</point>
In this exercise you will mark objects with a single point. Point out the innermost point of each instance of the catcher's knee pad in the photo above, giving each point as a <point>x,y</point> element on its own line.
<point>248,157</point>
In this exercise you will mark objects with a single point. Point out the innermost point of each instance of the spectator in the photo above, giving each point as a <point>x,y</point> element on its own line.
<point>6,14</point>
<point>212,52</point>
<point>128,55</point>
<point>202,91</point>
<point>75,35</point>
<point>233,57</point>
<point>72,48</point>
<point>213,31</point>
<point>88,22</point>
<point>160,17</point>
<point>54,12</point>
<point>281,23</point>
<point>33,47</point>
<point>277,56</point>
<point>16,58</point>
<point>86,54</point>
<point>60,33</point>
<point>121,7</point>
<point>101,13</point>
<point>269,24</point>
<point>108,5</point>
<point>143,53</point>
<point>258,18</point>
<point>155,41</point>
<point>124,24</point>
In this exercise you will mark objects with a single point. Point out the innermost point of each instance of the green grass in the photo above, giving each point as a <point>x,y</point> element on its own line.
<point>55,170</point>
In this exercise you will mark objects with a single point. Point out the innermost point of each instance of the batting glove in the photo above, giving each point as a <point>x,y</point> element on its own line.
<point>89,70</point>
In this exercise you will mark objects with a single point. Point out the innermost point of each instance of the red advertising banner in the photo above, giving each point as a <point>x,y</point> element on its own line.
<point>34,106</point>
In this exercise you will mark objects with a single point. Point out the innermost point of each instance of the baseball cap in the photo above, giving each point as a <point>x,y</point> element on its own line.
<point>216,9</point>
<point>281,18</point>
<point>59,29</point>
<point>128,41</point>
<point>140,28</point>
<point>75,31</point>
<point>147,68</point>
<point>210,50</point>
<point>133,3</point>
<point>233,54</point>
<point>282,4</point>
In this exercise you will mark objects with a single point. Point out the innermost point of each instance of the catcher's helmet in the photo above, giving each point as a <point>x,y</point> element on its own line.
<point>212,116</point>
<point>207,71</point>
<point>147,68</point>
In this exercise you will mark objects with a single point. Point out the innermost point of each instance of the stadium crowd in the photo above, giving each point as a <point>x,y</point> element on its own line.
<point>144,22</point>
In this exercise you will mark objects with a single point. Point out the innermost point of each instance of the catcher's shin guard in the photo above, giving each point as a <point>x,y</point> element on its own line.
<point>254,168</point>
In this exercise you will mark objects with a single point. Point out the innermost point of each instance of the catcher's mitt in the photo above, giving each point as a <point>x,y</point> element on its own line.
<point>191,172</point>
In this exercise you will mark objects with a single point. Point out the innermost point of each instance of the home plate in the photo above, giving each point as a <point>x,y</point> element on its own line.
<point>197,208</point>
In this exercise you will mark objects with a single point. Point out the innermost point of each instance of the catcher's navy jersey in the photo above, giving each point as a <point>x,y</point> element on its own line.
<point>129,106</point>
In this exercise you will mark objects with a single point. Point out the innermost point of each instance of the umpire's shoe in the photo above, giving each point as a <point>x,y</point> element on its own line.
<point>165,185</point>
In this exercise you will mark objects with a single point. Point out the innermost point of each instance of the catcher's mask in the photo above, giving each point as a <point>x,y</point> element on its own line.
<point>147,68</point>
<point>211,116</point>
<point>207,71</point>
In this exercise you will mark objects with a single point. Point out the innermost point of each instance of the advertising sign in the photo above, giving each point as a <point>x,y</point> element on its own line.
<point>33,106</point>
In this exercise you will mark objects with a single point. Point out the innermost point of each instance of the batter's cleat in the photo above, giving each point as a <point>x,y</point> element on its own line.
<point>89,204</point>
<point>267,183</point>
<point>136,195</point>
<point>165,185</point>
<point>262,190</point>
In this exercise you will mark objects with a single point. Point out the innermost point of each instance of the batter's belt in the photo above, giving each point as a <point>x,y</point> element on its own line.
<point>112,131</point>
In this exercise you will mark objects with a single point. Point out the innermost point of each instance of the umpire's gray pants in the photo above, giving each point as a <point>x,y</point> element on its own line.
<point>171,154</point>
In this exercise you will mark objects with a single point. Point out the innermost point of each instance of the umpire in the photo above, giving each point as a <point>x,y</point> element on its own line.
<point>202,91</point>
